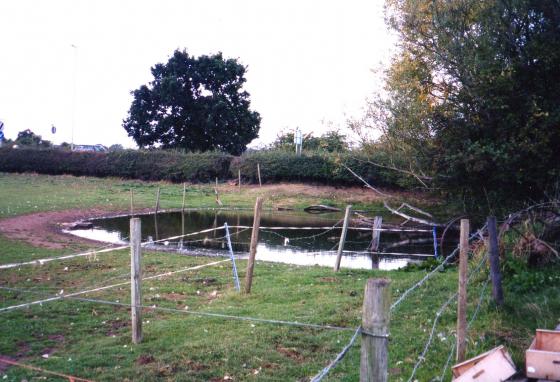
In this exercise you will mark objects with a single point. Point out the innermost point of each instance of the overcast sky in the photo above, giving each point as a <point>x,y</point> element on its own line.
<point>309,62</point>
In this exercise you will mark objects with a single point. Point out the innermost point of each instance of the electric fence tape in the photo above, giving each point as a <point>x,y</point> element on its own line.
<point>235,276</point>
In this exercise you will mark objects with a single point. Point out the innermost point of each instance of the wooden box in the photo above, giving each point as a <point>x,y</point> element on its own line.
<point>542,359</point>
<point>493,366</point>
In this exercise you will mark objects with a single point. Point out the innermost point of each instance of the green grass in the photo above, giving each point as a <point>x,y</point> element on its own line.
<point>92,340</point>
<point>29,193</point>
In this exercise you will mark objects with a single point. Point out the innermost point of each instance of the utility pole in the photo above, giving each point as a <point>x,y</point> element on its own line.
<point>74,94</point>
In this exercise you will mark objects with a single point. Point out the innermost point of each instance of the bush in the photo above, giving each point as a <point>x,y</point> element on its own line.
<point>319,167</point>
<point>145,165</point>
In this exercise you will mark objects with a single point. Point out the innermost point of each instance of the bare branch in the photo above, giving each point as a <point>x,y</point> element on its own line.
<point>411,218</point>
<point>392,210</point>
<point>416,209</point>
<point>365,183</point>
<point>419,178</point>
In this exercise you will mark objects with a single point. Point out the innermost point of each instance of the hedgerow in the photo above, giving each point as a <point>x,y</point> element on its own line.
<point>136,164</point>
<point>276,165</point>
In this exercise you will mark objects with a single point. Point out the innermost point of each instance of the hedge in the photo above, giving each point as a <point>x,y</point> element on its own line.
<point>135,164</point>
<point>318,167</point>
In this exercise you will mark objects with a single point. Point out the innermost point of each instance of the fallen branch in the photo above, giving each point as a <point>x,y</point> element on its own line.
<point>392,210</point>
<point>365,183</point>
<point>416,209</point>
<point>411,218</point>
<point>319,208</point>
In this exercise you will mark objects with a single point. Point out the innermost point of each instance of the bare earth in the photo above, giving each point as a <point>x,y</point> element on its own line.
<point>44,229</point>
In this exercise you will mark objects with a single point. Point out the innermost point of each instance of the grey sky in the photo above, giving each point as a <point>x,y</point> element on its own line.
<point>308,61</point>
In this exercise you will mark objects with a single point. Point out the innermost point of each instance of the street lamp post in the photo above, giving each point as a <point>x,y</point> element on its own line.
<point>74,94</point>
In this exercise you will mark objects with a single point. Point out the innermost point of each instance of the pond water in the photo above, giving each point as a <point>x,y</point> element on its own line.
<point>293,237</point>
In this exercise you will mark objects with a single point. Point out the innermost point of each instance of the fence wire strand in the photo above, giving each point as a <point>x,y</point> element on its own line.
<point>439,313</point>
<point>473,318</point>
<point>326,370</point>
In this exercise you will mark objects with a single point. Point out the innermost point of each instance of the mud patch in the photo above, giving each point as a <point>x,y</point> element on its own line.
<point>115,326</point>
<point>291,353</point>
<point>195,366</point>
<point>206,281</point>
<point>44,229</point>
<point>59,338</point>
<point>4,366</point>
<point>145,359</point>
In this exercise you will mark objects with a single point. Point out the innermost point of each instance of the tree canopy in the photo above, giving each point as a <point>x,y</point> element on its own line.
<point>194,103</point>
<point>472,98</point>
<point>29,138</point>
<point>330,141</point>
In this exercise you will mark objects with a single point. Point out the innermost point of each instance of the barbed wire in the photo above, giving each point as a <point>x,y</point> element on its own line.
<point>326,370</point>
<point>440,311</point>
<point>430,274</point>
<point>319,376</point>
<point>473,318</point>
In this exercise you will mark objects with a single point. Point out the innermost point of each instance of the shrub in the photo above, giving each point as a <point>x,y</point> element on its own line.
<point>319,167</point>
<point>145,165</point>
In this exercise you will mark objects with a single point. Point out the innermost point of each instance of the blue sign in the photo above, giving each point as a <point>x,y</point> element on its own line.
<point>1,135</point>
<point>53,129</point>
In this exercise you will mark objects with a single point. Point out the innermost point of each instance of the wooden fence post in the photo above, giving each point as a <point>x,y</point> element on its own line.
<point>253,247</point>
<point>157,200</point>
<point>184,196</point>
<point>239,179</point>
<point>494,252</point>
<point>218,201</point>
<point>135,279</point>
<point>156,212</point>
<point>259,174</point>
<point>375,239</point>
<point>462,293</point>
<point>375,331</point>
<point>131,202</point>
<point>342,238</point>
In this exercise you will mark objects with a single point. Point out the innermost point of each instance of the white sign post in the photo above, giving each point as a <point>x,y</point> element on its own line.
<point>298,140</point>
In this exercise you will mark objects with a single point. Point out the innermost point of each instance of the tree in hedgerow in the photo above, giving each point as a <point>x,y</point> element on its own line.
<point>331,141</point>
<point>194,103</point>
<point>29,138</point>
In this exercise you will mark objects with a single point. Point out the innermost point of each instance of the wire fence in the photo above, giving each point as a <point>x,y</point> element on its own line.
<point>324,372</point>
<point>324,230</point>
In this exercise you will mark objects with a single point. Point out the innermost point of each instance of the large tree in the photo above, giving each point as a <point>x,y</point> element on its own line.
<point>194,103</point>
<point>473,95</point>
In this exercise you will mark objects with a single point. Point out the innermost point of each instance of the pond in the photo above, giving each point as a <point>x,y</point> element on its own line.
<point>293,237</point>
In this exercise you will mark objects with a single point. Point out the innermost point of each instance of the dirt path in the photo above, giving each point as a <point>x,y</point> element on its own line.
<point>44,229</point>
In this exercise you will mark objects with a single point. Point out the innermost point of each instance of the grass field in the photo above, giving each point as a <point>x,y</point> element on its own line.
<point>92,340</point>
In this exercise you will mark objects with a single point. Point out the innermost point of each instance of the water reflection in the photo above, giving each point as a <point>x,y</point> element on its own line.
<point>353,260</point>
<point>306,240</point>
